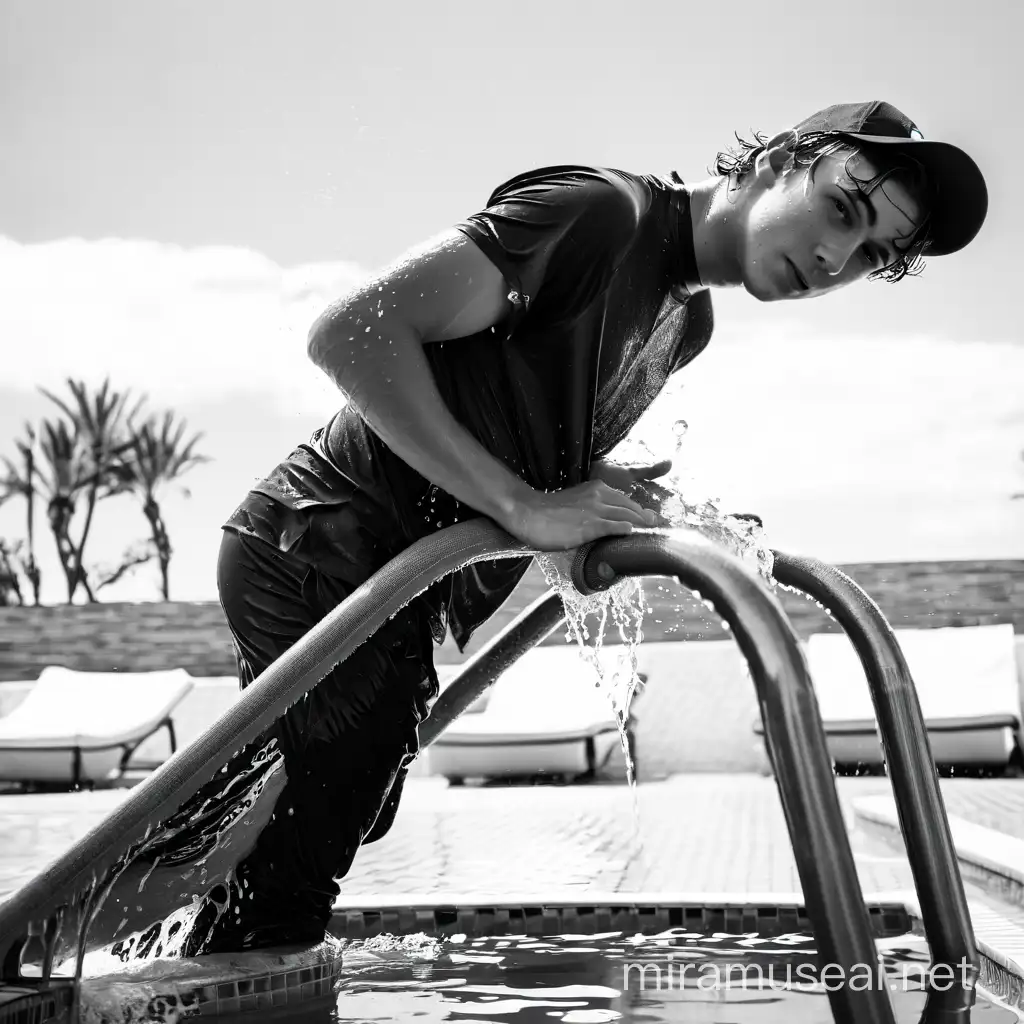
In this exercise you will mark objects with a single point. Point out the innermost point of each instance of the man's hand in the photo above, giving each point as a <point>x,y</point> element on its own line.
<point>560,520</point>
<point>623,478</point>
<point>639,482</point>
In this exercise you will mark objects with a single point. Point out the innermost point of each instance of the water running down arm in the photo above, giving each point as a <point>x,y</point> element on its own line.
<point>370,343</point>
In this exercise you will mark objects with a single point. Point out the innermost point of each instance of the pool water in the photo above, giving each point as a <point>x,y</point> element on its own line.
<point>676,975</point>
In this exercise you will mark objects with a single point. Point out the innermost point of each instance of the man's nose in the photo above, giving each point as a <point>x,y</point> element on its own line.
<point>833,256</point>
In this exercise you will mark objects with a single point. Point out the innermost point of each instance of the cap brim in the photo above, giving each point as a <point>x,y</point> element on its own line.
<point>961,203</point>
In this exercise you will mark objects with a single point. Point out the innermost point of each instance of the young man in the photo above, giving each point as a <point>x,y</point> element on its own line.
<point>490,373</point>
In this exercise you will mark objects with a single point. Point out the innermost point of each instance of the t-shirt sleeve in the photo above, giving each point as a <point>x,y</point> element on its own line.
<point>556,235</point>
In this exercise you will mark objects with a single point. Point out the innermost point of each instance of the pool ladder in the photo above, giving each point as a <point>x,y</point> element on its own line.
<point>796,744</point>
<point>794,737</point>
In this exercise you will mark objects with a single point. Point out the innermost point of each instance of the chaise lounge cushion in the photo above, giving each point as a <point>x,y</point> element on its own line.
<point>102,712</point>
<point>967,684</point>
<point>544,704</point>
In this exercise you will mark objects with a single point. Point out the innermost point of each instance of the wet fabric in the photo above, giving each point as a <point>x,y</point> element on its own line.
<point>596,325</point>
<point>347,746</point>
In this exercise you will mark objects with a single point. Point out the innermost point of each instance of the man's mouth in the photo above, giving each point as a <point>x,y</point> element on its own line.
<point>798,278</point>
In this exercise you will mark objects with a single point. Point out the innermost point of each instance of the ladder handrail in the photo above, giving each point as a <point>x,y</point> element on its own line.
<point>298,670</point>
<point>794,735</point>
<point>793,730</point>
<point>908,758</point>
<point>901,724</point>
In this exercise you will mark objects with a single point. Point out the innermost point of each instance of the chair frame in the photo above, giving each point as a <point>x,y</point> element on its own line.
<point>128,749</point>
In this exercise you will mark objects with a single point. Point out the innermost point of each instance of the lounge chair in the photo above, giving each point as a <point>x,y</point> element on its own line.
<point>967,682</point>
<point>544,716</point>
<point>81,728</point>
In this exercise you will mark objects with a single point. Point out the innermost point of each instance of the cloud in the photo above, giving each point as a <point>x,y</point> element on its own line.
<point>170,321</point>
<point>885,446</point>
<point>873,448</point>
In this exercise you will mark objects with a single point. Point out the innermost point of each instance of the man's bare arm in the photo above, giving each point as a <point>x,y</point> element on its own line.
<point>370,342</point>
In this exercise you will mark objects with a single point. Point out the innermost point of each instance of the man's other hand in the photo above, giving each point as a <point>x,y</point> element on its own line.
<point>622,478</point>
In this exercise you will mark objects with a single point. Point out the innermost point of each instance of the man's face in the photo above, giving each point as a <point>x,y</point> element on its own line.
<point>812,231</point>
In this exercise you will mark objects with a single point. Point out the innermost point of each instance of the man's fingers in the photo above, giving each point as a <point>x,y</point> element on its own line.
<point>613,496</point>
<point>652,472</point>
<point>616,499</point>
<point>624,514</point>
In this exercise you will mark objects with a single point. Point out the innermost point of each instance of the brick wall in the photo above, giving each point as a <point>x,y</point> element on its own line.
<point>140,637</point>
<point>912,595</point>
<point>125,637</point>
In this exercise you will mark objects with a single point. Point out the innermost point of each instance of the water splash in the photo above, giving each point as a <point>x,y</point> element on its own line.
<point>623,605</point>
<point>147,903</point>
<point>166,991</point>
<point>741,535</point>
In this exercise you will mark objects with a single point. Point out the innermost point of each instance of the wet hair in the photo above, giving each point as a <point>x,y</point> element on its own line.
<point>738,163</point>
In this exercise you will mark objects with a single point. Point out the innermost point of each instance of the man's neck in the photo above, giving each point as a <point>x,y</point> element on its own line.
<point>716,225</point>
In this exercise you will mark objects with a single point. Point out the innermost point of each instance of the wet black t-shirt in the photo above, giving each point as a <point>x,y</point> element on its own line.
<point>593,259</point>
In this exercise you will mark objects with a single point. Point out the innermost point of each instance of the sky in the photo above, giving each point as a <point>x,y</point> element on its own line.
<point>185,185</point>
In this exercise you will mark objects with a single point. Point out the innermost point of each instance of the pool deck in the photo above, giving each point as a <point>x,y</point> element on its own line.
<point>693,834</point>
<point>710,832</point>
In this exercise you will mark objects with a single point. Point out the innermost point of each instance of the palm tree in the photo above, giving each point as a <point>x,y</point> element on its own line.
<point>60,480</point>
<point>10,584</point>
<point>81,455</point>
<point>21,481</point>
<point>96,451</point>
<point>157,455</point>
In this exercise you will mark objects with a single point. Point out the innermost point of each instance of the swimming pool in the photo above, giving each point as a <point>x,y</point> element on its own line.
<point>676,975</point>
<point>724,963</point>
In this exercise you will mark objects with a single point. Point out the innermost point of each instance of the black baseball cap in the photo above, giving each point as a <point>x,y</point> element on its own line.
<point>959,193</point>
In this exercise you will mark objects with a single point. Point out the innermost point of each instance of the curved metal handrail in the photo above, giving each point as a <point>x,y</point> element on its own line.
<point>793,727</point>
<point>298,670</point>
<point>794,735</point>
<point>904,733</point>
<point>909,762</point>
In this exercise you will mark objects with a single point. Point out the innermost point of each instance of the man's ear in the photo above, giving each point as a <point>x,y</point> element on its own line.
<point>776,159</point>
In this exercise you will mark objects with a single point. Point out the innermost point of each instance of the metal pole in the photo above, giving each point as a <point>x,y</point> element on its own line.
<point>908,756</point>
<point>485,667</point>
<point>796,741</point>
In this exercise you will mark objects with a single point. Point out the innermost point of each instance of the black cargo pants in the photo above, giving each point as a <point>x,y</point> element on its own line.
<point>347,747</point>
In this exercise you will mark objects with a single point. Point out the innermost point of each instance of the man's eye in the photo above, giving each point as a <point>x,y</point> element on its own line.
<point>843,212</point>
